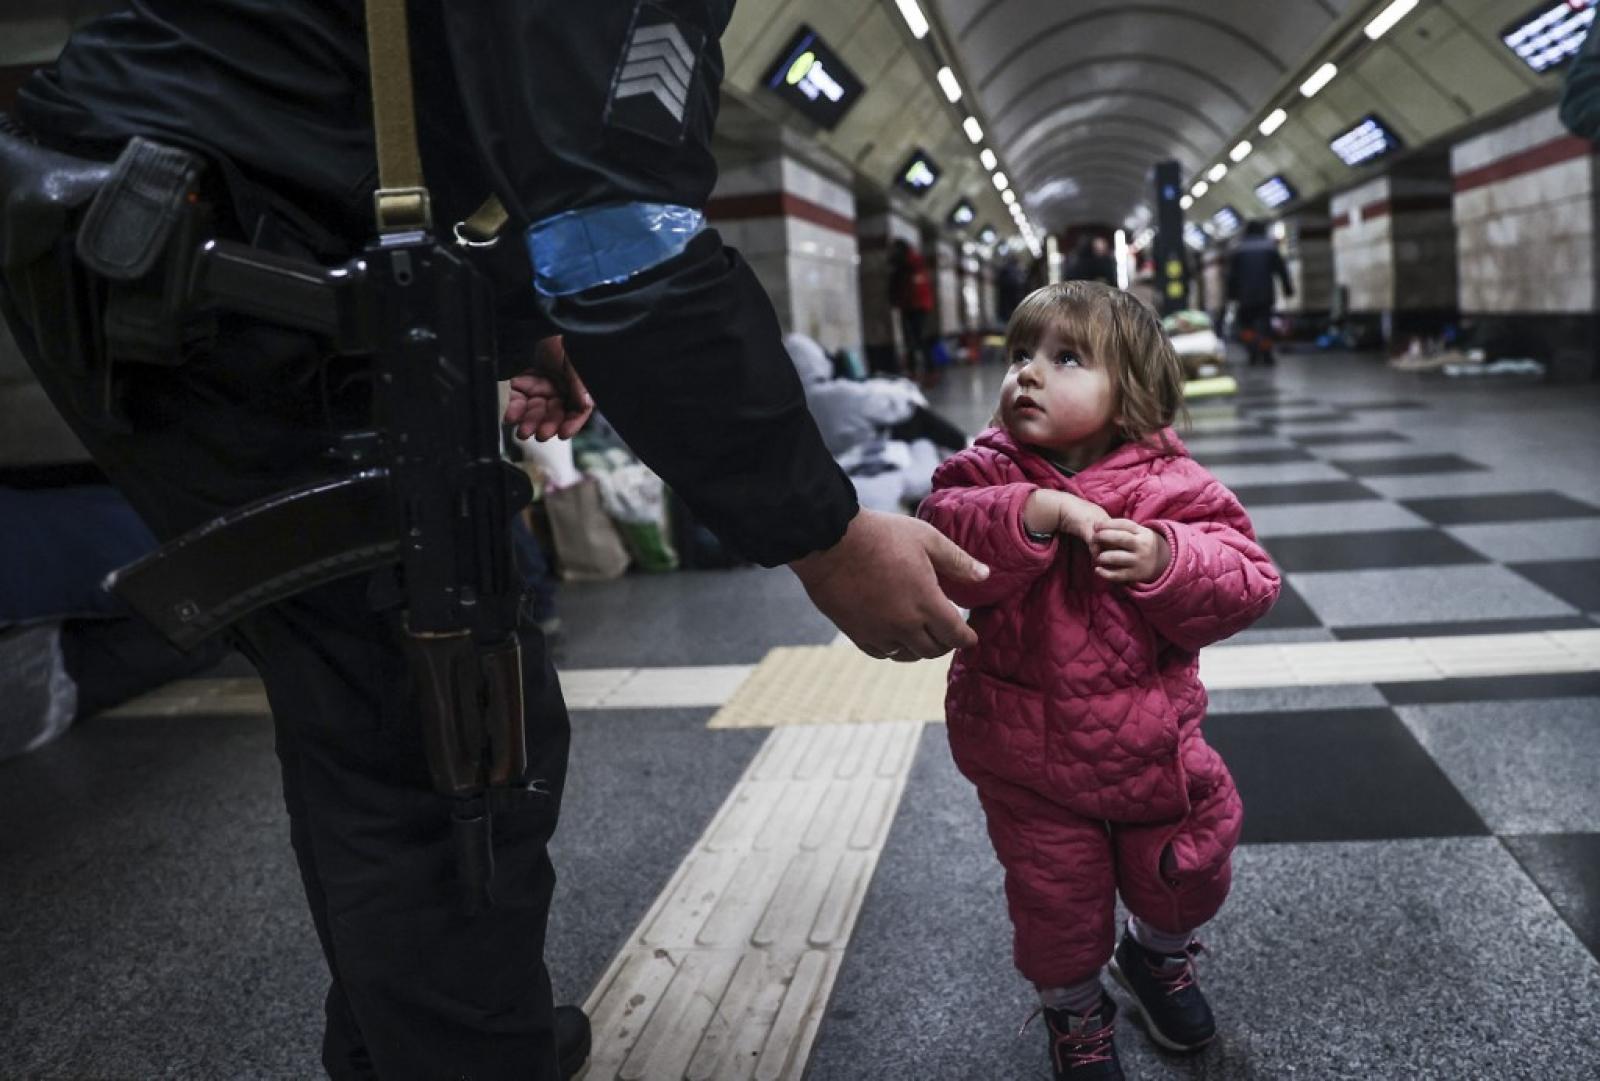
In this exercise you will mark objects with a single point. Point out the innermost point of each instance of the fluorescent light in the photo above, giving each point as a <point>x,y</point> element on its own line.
<point>1390,15</point>
<point>1199,189</point>
<point>1218,171</point>
<point>1242,151</point>
<point>914,18</point>
<point>1000,182</point>
<point>1273,122</point>
<point>947,82</point>
<point>988,159</point>
<point>974,131</point>
<point>1186,202</point>
<point>1319,79</point>
<point>1008,197</point>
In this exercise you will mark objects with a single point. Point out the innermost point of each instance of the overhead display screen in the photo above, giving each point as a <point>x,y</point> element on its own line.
<point>962,215</point>
<point>811,77</point>
<point>1367,141</point>
<point>1227,221</point>
<point>918,174</point>
<point>1193,235</point>
<point>1275,191</point>
<point>1551,33</point>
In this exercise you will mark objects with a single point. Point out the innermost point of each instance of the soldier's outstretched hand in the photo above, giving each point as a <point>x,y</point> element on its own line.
<point>880,586</point>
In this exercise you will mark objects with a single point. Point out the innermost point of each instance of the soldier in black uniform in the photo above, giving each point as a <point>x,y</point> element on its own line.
<point>594,131</point>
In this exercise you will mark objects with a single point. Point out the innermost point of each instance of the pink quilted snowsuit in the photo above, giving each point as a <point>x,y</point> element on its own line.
<point>1077,714</point>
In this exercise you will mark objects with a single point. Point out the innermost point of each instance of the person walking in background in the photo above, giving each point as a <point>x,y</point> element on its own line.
<point>911,294</point>
<point>1077,717</point>
<point>1253,268</point>
<point>1092,262</point>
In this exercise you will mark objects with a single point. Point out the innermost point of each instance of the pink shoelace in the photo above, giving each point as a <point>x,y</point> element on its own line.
<point>1076,1048</point>
<point>1071,1049</point>
<point>1175,978</point>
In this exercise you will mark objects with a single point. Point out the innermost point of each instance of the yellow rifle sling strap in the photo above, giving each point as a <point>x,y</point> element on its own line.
<point>401,201</point>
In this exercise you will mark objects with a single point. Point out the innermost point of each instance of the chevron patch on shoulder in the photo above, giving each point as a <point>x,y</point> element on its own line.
<point>654,81</point>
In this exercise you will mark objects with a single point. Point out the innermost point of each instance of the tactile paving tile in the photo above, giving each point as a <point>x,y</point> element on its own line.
<point>834,684</point>
<point>727,976</point>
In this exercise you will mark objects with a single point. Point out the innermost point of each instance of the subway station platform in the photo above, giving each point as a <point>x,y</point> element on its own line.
<point>769,867</point>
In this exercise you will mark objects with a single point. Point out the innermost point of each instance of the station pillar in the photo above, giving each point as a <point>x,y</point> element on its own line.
<point>795,224</point>
<point>1525,219</point>
<point>1394,255</point>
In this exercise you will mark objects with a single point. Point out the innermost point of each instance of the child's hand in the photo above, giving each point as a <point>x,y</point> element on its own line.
<point>1127,552</point>
<point>1079,517</point>
<point>1062,512</point>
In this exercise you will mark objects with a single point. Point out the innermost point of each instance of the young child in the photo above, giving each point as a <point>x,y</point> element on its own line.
<point>1113,559</point>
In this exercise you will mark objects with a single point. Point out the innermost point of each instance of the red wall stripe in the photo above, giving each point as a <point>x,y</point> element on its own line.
<point>1404,204</point>
<point>778,204</point>
<point>1531,160</point>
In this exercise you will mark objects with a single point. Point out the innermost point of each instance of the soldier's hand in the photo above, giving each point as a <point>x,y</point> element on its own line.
<point>879,585</point>
<point>549,399</point>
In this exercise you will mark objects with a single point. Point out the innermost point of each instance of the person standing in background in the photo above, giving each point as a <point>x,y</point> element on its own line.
<point>911,294</point>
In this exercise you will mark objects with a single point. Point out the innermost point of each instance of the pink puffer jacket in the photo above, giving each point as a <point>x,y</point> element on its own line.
<point>1086,691</point>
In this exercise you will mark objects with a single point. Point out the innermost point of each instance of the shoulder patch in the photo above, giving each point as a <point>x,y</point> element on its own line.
<point>654,79</point>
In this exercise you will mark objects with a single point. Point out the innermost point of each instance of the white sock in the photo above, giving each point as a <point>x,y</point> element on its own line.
<point>1082,998</point>
<point>1157,941</point>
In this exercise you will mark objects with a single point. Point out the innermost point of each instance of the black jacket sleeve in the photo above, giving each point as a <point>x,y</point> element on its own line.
<point>687,363</point>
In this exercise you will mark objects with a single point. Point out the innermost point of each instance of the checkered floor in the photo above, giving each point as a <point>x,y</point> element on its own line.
<point>1381,534</point>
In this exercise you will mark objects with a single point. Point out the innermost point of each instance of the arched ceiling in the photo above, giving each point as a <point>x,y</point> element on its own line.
<point>1182,78</point>
<point>1057,80</point>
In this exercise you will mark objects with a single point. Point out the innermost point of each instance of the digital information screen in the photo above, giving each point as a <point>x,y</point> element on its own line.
<point>1227,221</point>
<point>1367,141</point>
<point>962,215</point>
<point>1551,33</point>
<point>1193,235</point>
<point>811,77</point>
<point>1275,191</point>
<point>918,174</point>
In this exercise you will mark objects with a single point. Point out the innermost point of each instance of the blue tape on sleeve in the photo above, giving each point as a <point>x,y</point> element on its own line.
<point>603,245</point>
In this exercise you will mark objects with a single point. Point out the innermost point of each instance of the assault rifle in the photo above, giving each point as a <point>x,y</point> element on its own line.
<point>428,488</point>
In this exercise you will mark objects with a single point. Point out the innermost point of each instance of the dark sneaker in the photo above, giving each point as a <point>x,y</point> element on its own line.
<point>572,1040</point>
<point>1082,1044</point>
<point>1175,1011</point>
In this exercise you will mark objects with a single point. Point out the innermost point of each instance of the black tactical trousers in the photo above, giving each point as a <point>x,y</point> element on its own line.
<point>418,990</point>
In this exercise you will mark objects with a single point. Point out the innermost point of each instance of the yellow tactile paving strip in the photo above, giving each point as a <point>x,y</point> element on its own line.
<point>727,976</point>
<point>834,685</point>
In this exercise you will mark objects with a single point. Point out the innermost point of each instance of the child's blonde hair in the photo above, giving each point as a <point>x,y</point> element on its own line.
<point>1115,329</point>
